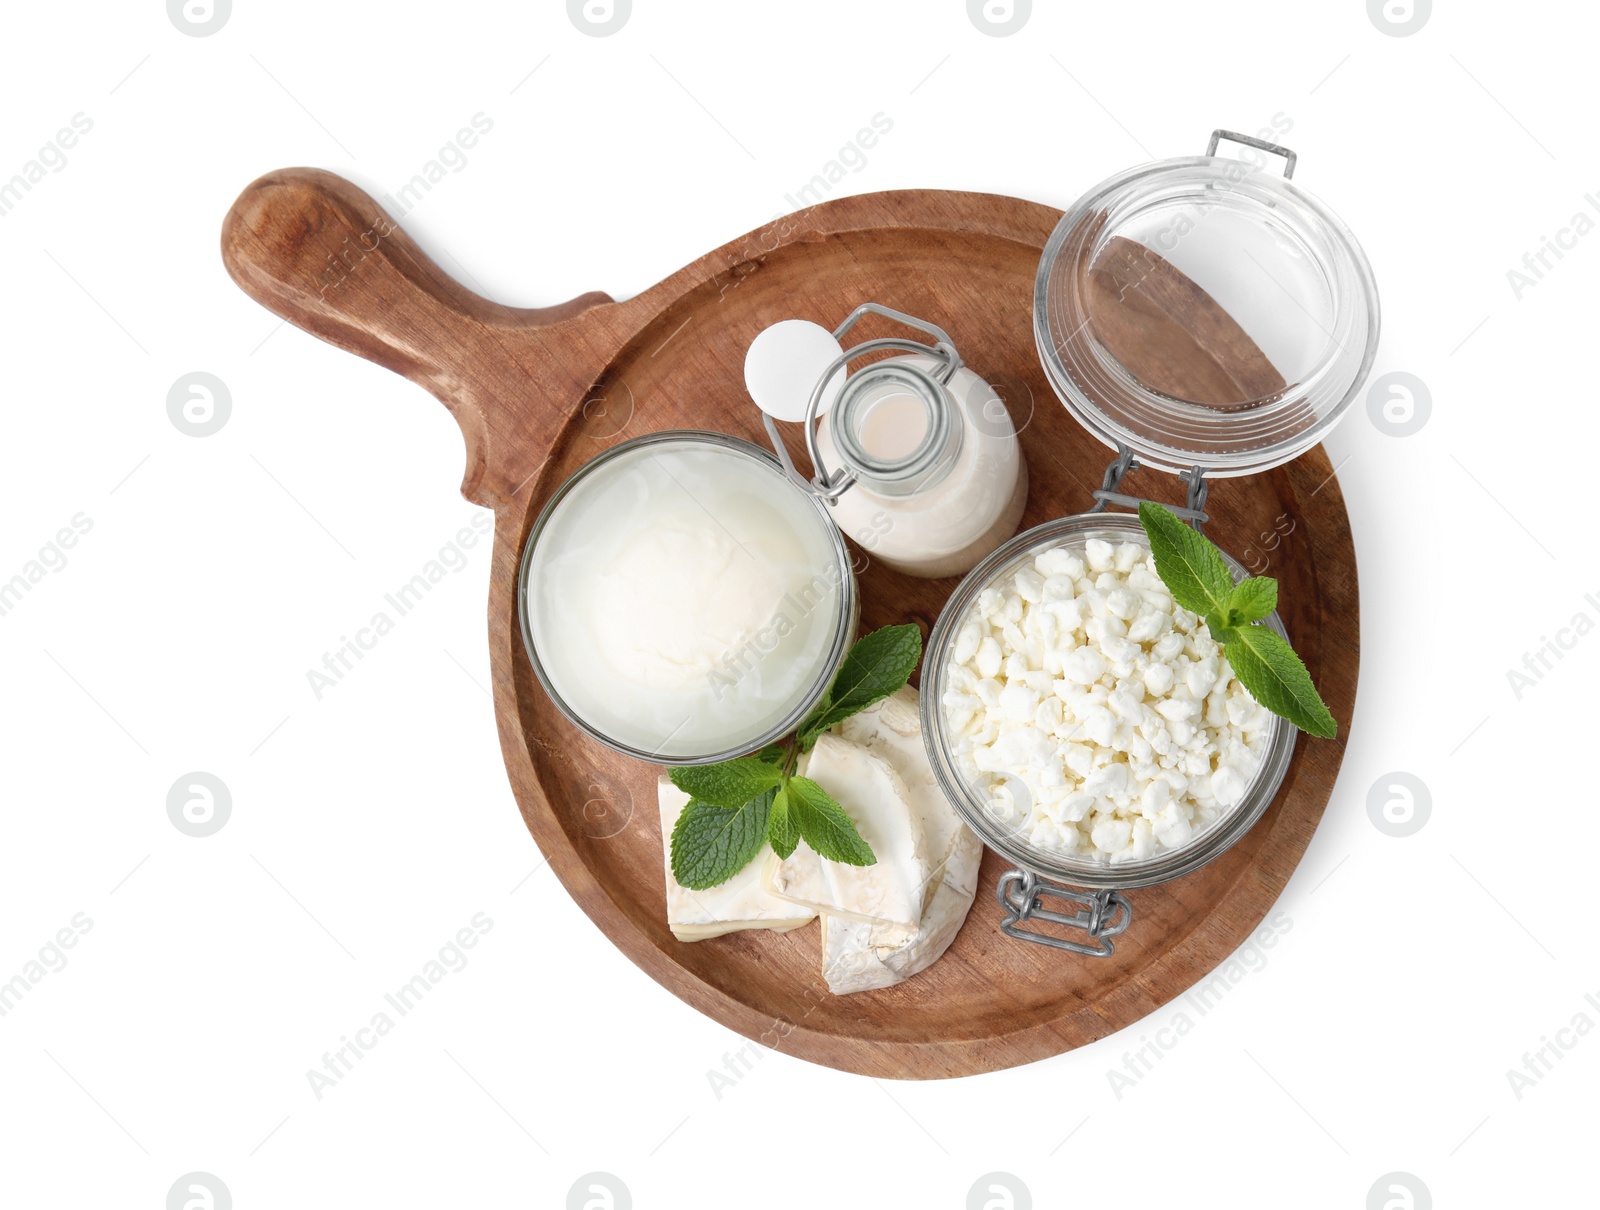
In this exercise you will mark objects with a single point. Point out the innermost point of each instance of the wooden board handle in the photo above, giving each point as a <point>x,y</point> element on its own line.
<point>318,251</point>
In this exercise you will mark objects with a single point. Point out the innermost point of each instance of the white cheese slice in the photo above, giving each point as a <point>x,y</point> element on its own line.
<point>858,956</point>
<point>889,893</point>
<point>739,903</point>
<point>893,730</point>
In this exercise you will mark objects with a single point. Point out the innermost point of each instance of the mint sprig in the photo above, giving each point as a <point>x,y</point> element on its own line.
<point>877,666</point>
<point>730,784</point>
<point>825,826</point>
<point>711,844</point>
<point>1187,562</point>
<point>783,830</point>
<point>1195,573</point>
<point>737,805</point>
<point>1268,667</point>
<point>1252,599</point>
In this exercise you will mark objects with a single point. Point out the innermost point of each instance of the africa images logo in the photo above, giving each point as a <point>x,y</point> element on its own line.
<point>599,18</point>
<point>999,18</point>
<point>1399,18</point>
<point>999,1191</point>
<point>599,1191</point>
<point>199,404</point>
<point>199,18</point>
<point>199,1191</point>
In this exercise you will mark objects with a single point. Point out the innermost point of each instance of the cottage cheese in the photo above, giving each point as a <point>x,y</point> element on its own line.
<point>1099,716</point>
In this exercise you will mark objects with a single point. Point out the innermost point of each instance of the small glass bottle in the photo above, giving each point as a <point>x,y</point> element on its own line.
<point>940,480</point>
<point>917,454</point>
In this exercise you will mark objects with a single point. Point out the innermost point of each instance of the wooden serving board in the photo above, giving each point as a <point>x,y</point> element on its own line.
<point>537,393</point>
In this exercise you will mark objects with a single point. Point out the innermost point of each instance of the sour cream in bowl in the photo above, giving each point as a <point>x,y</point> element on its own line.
<point>684,602</point>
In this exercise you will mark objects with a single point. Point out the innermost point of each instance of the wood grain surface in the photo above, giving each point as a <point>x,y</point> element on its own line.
<point>1172,334</point>
<point>538,393</point>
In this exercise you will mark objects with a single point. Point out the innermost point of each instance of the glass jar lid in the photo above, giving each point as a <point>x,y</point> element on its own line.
<point>1206,312</point>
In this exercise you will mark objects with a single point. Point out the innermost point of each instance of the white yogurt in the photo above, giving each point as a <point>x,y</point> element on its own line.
<point>684,598</point>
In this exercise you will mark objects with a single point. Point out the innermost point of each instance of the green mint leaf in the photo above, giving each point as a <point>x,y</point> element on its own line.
<point>1196,574</point>
<point>824,825</point>
<point>1219,629</point>
<point>730,784</point>
<point>773,754</point>
<point>711,844</point>
<point>877,666</point>
<point>1252,600</point>
<point>783,833</point>
<point>1188,564</point>
<point>1268,667</point>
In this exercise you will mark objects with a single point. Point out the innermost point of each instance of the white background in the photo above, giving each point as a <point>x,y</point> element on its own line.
<point>369,826</point>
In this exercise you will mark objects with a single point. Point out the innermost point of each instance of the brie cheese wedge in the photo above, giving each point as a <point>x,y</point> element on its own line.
<point>739,903</point>
<point>889,893</point>
<point>859,956</point>
<point>893,730</point>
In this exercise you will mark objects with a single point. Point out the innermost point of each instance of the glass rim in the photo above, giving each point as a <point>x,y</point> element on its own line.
<point>1217,839</point>
<point>847,595</point>
<point>916,469</point>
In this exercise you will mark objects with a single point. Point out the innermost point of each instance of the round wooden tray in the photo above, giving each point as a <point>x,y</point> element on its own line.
<point>539,392</point>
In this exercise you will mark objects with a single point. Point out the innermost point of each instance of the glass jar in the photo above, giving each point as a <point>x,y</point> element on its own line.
<point>930,475</point>
<point>1208,319</point>
<point>994,811</point>
<point>682,601</point>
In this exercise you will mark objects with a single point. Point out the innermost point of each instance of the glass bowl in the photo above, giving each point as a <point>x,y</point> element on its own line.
<point>970,800</point>
<point>1202,313</point>
<point>765,574</point>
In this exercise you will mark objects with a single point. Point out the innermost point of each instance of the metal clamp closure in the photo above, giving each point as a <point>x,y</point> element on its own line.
<point>1193,511</point>
<point>1245,140</point>
<point>1103,915</point>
